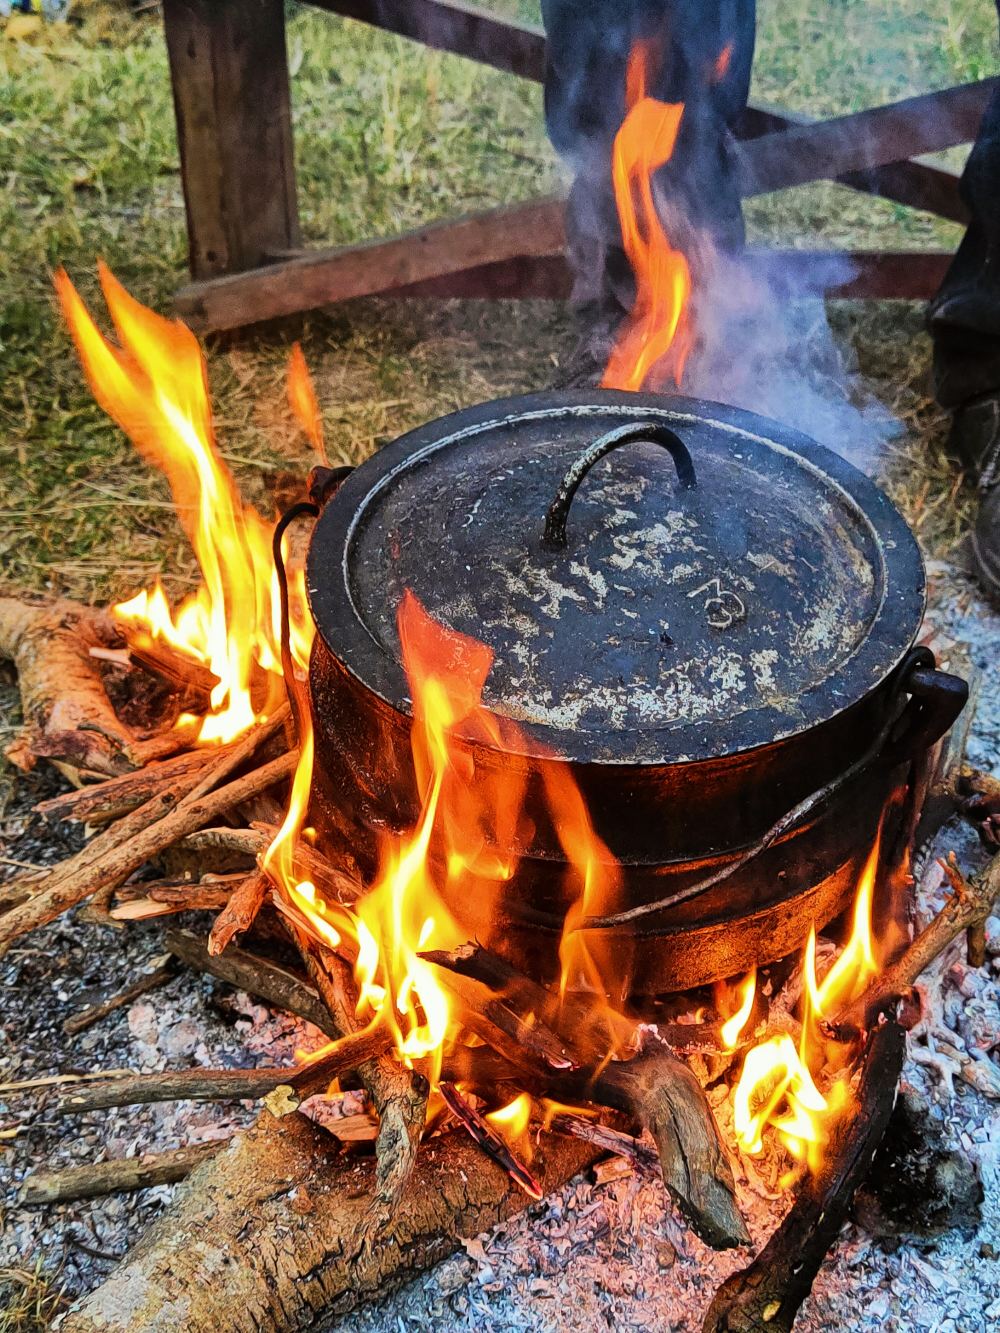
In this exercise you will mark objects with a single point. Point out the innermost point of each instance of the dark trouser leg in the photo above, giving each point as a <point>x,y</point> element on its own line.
<point>587,51</point>
<point>965,315</point>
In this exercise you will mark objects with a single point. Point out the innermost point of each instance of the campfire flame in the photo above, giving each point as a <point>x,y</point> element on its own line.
<point>658,328</point>
<point>154,384</point>
<point>777,1085</point>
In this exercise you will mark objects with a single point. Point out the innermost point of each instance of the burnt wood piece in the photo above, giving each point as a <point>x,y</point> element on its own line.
<point>866,139</point>
<point>306,1080</point>
<point>275,985</point>
<point>912,183</point>
<point>765,1296</point>
<point>184,673</point>
<point>606,1137</point>
<point>339,274</point>
<point>277,1223</point>
<point>231,98</point>
<point>92,1179</point>
<point>482,1132</point>
<point>399,1095</point>
<point>465,30</point>
<point>95,1012</point>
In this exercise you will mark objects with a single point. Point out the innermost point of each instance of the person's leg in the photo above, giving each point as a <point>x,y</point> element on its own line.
<point>700,54</point>
<point>964,320</point>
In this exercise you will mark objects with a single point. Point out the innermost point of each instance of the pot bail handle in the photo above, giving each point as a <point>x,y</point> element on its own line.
<point>635,432</point>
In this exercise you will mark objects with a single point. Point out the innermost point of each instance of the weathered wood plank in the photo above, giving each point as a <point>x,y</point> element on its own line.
<point>229,73</point>
<point>339,274</point>
<point>865,140</point>
<point>465,30</point>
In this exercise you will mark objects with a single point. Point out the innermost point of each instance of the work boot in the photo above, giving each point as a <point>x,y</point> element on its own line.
<point>975,437</point>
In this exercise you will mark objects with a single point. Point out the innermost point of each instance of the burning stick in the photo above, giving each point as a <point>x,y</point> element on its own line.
<point>765,1296</point>
<point>126,856</point>
<point>605,1137</point>
<point>398,1095</point>
<point>968,907</point>
<point>483,1133</point>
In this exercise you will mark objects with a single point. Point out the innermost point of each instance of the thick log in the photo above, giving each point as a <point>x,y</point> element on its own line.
<point>229,74</point>
<point>272,1233</point>
<point>200,807</point>
<point>765,1296</point>
<point>275,985</point>
<point>116,1176</point>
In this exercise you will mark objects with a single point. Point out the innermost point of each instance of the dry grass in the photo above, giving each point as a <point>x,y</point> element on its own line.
<point>388,135</point>
<point>29,1299</point>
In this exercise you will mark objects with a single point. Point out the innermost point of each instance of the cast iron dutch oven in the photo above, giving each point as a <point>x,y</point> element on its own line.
<point>709,617</point>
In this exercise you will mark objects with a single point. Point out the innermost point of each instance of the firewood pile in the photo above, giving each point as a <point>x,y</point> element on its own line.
<point>292,1221</point>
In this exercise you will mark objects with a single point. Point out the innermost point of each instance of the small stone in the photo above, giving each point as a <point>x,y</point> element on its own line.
<point>666,1255</point>
<point>987,1251</point>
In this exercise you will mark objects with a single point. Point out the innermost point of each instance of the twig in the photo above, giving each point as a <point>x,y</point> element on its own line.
<point>176,1085</point>
<point>120,1174</point>
<point>239,912</point>
<point>194,811</point>
<point>969,905</point>
<point>95,1012</point>
<point>102,801</point>
<point>275,985</point>
<point>483,1133</point>
<point>604,1136</point>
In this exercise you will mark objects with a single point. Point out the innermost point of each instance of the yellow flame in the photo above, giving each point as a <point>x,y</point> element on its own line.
<point>154,384</point>
<point>512,1122</point>
<point>657,326</point>
<point>734,1025</point>
<point>777,1085</point>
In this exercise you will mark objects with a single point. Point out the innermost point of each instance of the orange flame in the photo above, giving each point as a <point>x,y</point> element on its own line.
<point>734,1025</point>
<point>777,1084</point>
<point>154,384</point>
<point>512,1122</point>
<point>302,400</point>
<point>658,325</point>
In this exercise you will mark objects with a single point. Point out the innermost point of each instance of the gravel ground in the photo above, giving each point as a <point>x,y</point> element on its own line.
<point>592,1256</point>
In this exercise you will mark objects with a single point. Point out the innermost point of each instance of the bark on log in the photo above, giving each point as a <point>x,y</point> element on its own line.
<point>271,1234</point>
<point>129,1173</point>
<point>67,714</point>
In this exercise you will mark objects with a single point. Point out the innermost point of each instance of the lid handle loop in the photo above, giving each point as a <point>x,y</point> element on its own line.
<point>636,432</point>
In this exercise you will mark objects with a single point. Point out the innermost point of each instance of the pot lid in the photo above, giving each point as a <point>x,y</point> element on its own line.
<point>660,579</point>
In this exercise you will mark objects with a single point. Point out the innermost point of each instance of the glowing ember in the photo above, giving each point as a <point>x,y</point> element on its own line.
<point>657,329</point>
<point>155,386</point>
<point>777,1085</point>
